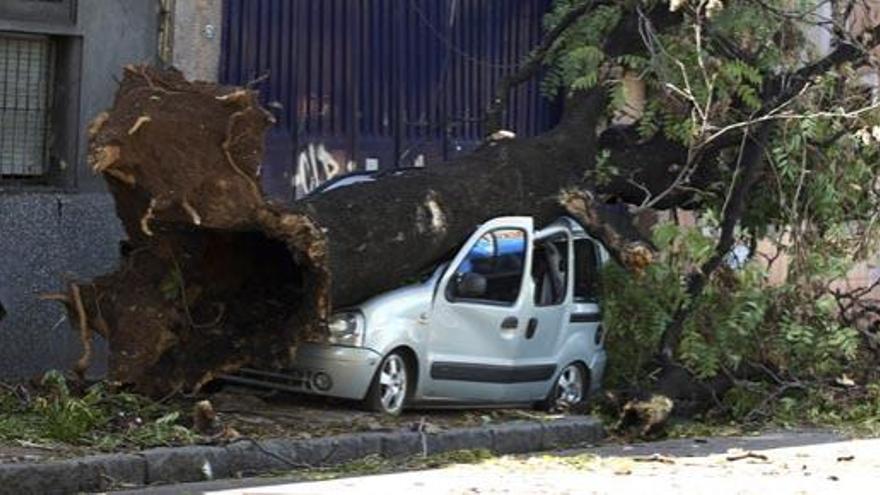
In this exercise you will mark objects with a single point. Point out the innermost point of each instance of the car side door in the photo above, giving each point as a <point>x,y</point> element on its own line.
<point>477,315</point>
<point>550,282</point>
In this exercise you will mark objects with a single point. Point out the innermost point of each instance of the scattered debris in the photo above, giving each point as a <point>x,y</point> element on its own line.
<point>747,455</point>
<point>227,401</point>
<point>655,458</point>
<point>622,467</point>
<point>205,418</point>
<point>34,445</point>
<point>648,416</point>
<point>845,381</point>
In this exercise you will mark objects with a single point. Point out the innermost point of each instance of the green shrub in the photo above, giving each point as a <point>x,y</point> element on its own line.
<point>739,317</point>
<point>638,308</point>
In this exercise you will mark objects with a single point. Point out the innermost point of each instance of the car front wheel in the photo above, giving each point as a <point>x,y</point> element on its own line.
<point>390,388</point>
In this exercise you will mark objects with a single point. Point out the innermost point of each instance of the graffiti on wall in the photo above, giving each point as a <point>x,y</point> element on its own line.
<point>315,165</point>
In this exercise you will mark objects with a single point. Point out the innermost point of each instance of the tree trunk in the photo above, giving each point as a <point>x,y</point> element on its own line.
<point>214,276</point>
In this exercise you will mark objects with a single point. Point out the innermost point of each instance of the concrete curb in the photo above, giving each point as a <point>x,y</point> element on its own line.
<point>248,457</point>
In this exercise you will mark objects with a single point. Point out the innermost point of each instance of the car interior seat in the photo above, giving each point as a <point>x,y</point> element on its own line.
<point>551,277</point>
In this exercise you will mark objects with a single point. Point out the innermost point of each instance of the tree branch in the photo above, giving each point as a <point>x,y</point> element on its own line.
<point>531,66</point>
<point>787,86</point>
<point>615,230</point>
<point>751,160</point>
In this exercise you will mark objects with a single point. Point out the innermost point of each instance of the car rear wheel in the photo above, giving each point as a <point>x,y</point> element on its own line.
<point>389,391</point>
<point>569,389</point>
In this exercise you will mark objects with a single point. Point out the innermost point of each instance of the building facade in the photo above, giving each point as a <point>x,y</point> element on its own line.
<point>59,60</point>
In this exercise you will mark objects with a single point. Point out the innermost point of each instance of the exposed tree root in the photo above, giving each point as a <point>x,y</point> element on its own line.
<point>85,331</point>
<point>143,119</point>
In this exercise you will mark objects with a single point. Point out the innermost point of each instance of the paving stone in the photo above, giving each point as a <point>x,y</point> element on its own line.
<point>517,437</point>
<point>248,457</point>
<point>106,472</point>
<point>459,439</point>
<point>401,443</point>
<point>45,478</point>
<point>181,464</point>
<point>345,448</point>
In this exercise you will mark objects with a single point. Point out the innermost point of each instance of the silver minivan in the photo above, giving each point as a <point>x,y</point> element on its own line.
<point>514,318</point>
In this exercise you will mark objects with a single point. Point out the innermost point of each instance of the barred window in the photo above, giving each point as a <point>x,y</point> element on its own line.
<point>26,64</point>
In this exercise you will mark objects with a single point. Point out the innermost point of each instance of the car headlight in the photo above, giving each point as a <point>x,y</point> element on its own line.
<point>347,329</point>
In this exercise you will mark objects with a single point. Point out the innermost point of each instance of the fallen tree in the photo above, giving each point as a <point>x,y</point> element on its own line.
<point>215,276</point>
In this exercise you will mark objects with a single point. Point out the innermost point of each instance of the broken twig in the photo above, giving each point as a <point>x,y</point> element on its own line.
<point>747,455</point>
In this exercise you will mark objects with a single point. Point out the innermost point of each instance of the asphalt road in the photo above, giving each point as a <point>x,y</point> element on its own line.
<point>778,463</point>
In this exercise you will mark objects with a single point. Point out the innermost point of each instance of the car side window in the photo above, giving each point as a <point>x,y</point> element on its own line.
<point>550,271</point>
<point>492,272</point>
<point>586,273</point>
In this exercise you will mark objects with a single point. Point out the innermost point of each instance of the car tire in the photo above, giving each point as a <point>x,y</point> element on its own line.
<point>391,388</point>
<point>570,388</point>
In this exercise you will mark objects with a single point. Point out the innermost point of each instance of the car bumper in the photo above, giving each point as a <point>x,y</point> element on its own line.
<point>334,371</point>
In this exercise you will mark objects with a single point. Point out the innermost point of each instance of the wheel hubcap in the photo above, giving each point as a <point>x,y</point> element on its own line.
<point>570,386</point>
<point>392,382</point>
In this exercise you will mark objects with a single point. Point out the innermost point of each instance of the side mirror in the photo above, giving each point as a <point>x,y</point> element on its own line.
<point>471,285</point>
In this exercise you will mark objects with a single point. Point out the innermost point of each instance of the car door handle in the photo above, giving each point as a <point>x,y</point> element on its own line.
<point>510,323</point>
<point>531,328</point>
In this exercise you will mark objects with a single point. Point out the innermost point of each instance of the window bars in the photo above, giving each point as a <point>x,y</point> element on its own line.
<point>26,72</point>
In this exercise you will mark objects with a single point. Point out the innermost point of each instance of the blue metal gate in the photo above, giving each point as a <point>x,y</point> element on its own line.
<point>377,84</point>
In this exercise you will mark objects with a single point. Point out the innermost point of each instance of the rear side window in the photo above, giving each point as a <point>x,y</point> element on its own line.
<point>492,272</point>
<point>550,271</point>
<point>586,273</point>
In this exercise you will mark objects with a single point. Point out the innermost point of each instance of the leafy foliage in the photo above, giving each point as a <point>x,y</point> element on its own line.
<point>578,56</point>
<point>96,417</point>
<point>67,418</point>
<point>709,71</point>
<point>741,319</point>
